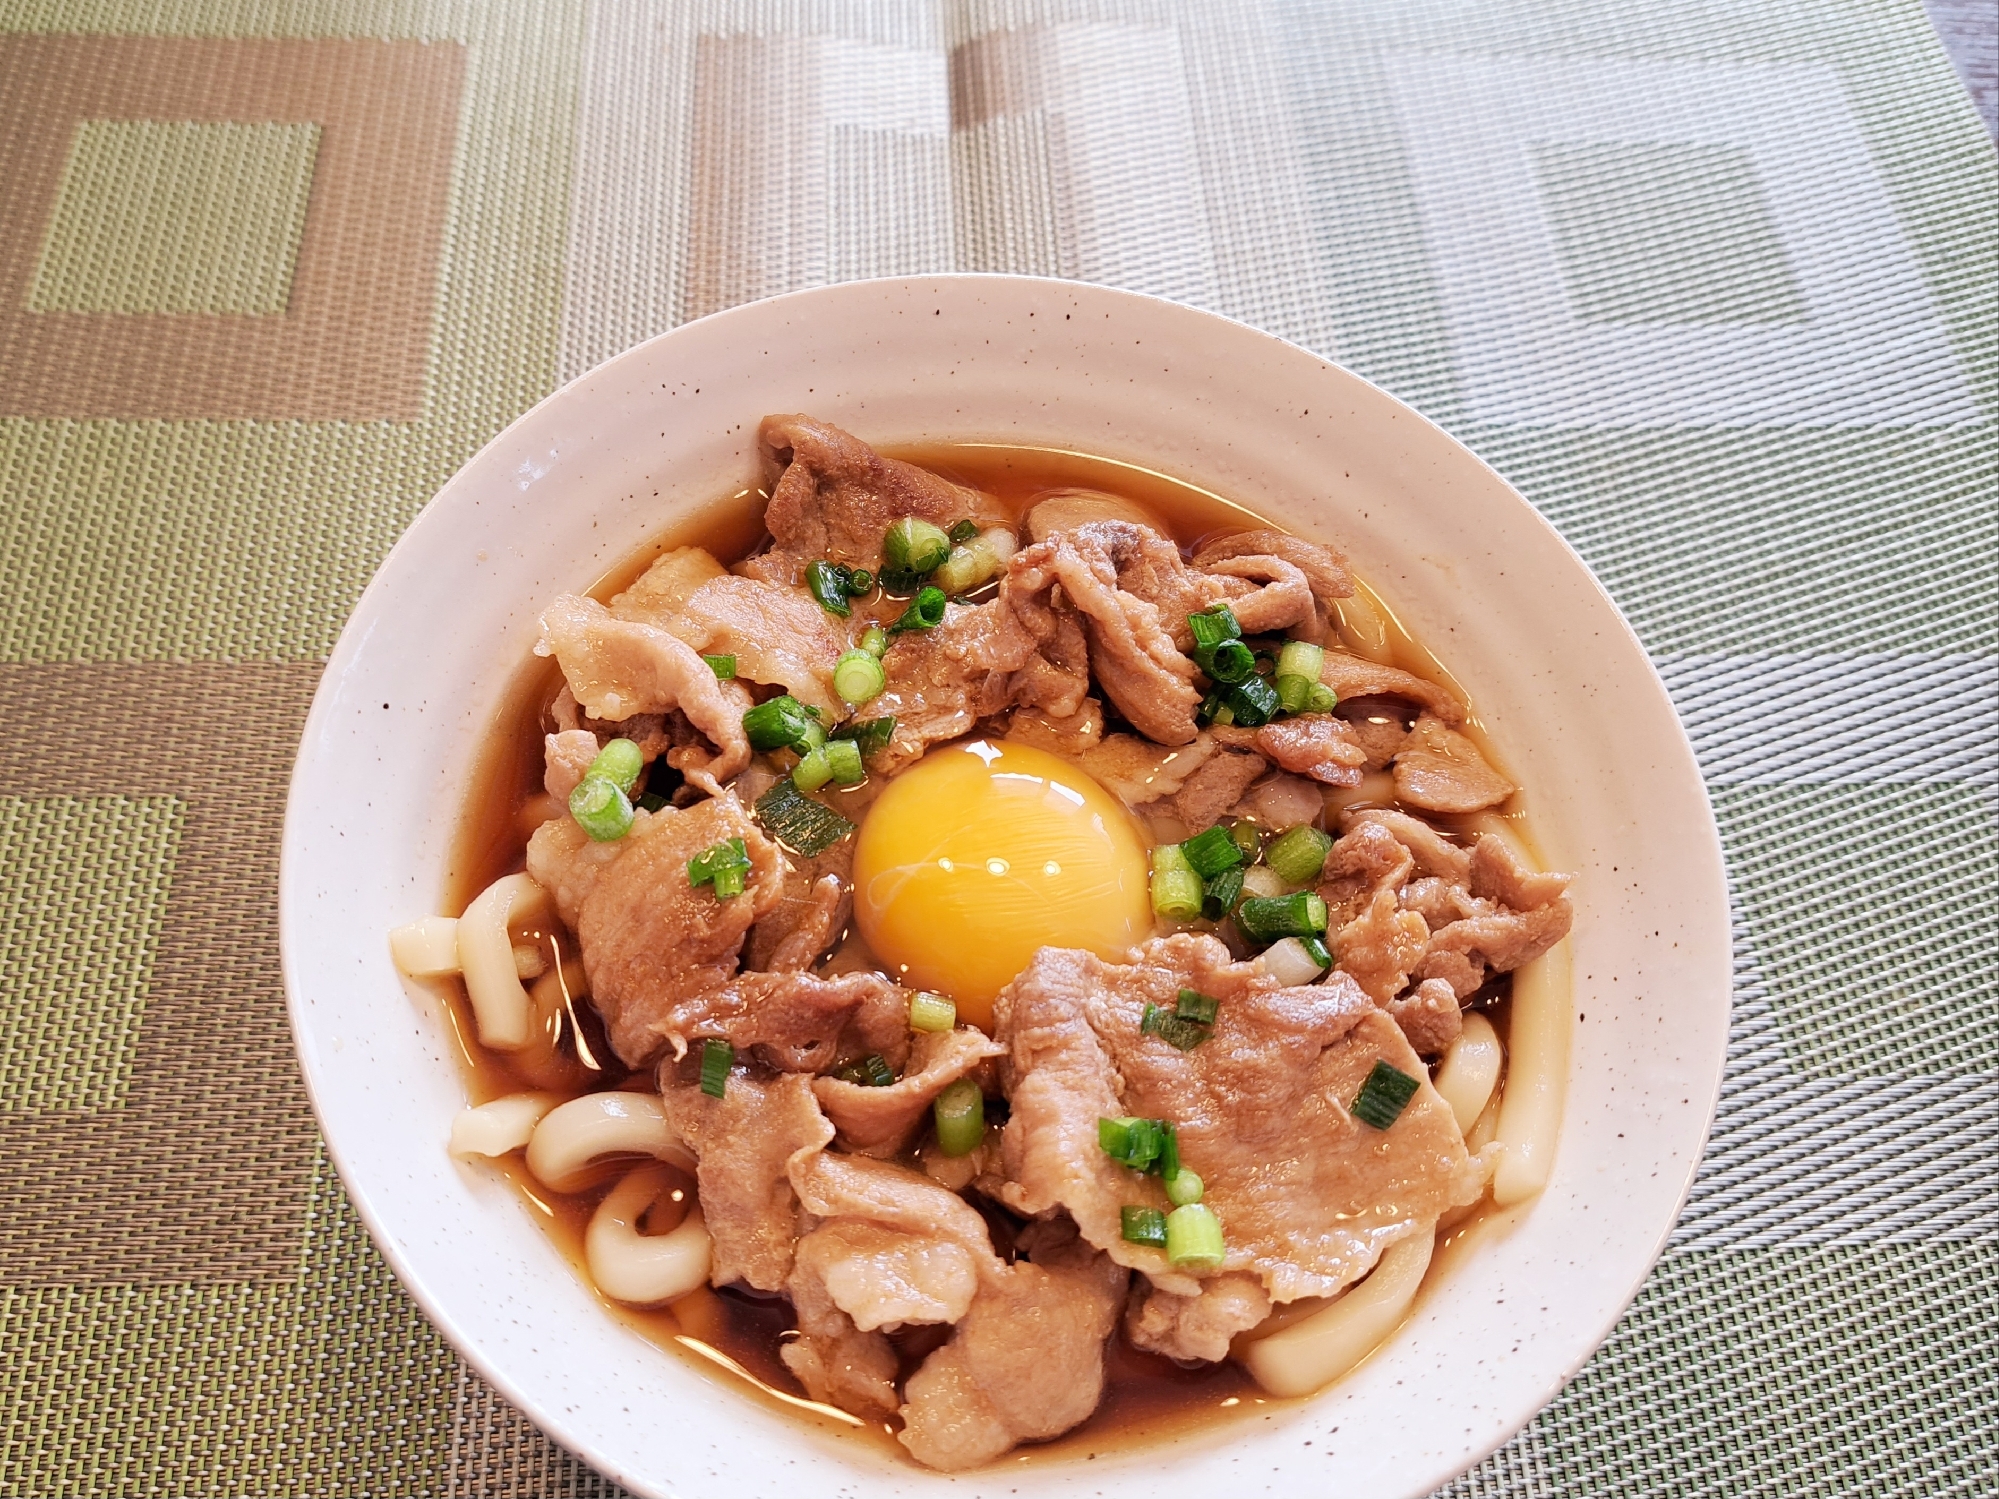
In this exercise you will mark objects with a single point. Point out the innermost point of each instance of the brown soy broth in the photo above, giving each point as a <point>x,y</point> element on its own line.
<point>1144,1394</point>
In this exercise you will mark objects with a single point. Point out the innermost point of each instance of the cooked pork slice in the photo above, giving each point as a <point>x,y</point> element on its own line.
<point>1379,725</point>
<point>1440,770</point>
<point>1215,787</point>
<point>1316,745</point>
<point>1440,903</point>
<point>1283,801</point>
<point>1017,649</point>
<point>1382,946</point>
<point>1324,568</point>
<point>1308,1197</point>
<point>565,756</point>
<point>1351,677</point>
<point>567,862</point>
<point>838,1364</point>
<point>837,497</point>
<point>618,668</point>
<point>810,912</point>
<point>795,1022</point>
<point>1132,647</point>
<point>778,633</point>
<point>1429,1016</point>
<point>1195,1327</point>
<point>745,1143</point>
<point>1431,850</point>
<point>649,939</point>
<point>880,1121</point>
<point>1266,594</point>
<point>1138,771</point>
<point>664,588</point>
<point>1462,953</point>
<point>1497,875</point>
<point>1365,860</point>
<point>890,1277</point>
<point>1026,1363</point>
<point>1068,735</point>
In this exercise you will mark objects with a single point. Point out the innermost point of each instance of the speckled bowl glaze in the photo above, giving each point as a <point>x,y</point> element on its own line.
<point>605,464</point>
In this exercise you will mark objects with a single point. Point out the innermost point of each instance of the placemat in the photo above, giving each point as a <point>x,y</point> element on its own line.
<point>1713,283</point>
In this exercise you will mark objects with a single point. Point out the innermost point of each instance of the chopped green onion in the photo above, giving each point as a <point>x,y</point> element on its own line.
<point>962,532</point>
<point>1214,709</point>
<point>858,676</point>
<point>600,809</point>
<point>620,763</point>
<point>932,1012</point>
<point>717,1057</point>
<point>1300,854</point>
<point>843,758</point>
<point>828,584</point>
<point>1384,1096</point>
<point>1252,702</point>
<point>724,667</point>
<point>1322,700</point>
<point>1143,1226</point>
<point>925,611</point>
<point>1261,879</point>
<point>1183,1035</point>
<point>1184,1187</point>
<point>1291,963</point>
<point>1212,852</point>
<point>965,569</point>
<point>871,734</point>
<point>652,801</point>
<point>1248,837</point>
<point>1212,626</point>
<point>1142,1144</point>
<point>1300,658</point>
<point>874,640</point>
<point>813,770</point>
<point>798,822</point>
<point>1317,951</point>
<point>1293,693</point>
<point>721,866</point>
<point>871,1071</point>
<point>912,549</point>
<point>1194,1238</point>
<point>1266,918</point>
<point>860,582</point>
<point>1176,889</point>
<point>1229,662</point>
<point>1223,891</point>
<point>960,1112</point>
<point>782,723</point>
<point>1194,1005</point>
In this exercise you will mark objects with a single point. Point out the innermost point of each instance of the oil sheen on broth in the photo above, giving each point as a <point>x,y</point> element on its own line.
<point>736,1336</point>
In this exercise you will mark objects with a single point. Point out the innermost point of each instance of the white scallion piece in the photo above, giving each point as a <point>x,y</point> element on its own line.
<point>1290,964</point>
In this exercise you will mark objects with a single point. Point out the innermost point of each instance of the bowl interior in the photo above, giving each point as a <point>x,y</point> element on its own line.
<point>612,460</point>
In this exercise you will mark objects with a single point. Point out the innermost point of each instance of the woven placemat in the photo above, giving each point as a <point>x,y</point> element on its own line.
<point>1713,285</point>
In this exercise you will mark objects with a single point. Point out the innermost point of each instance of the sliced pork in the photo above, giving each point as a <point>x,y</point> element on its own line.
<point>1316,745</point>
<point>796,1022</point>
<point>882,1121</point>
<point>1439,770</point>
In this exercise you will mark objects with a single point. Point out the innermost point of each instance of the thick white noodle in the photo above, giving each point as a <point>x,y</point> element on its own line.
<point>600,1124</point>
<point>486,955</point>
<point>1470,1070</point>
<point>1537,1076</point>
<point>1312,1353</point>
<point>642,1269</point>
<point>1537,1064</point>
<point>426,949</point>
<point>500,1126</point>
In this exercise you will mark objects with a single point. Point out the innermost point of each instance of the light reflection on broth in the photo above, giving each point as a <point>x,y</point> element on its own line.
<point>735,1335</point>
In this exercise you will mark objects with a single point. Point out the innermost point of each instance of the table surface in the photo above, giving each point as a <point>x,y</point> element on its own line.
<point>1712,284</point>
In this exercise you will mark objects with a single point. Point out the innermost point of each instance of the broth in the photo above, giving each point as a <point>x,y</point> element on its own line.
<point>737,1336</point>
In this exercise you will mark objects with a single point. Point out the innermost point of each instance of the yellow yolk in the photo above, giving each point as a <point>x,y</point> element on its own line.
<point>983,852</point>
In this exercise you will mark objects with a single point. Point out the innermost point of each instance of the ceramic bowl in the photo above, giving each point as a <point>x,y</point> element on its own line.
<point>605,464</point>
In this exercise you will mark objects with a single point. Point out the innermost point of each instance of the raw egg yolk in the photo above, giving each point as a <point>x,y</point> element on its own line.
<point>980,854</point>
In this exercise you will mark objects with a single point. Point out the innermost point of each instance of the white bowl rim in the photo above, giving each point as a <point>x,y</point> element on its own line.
<point>440,1299</point>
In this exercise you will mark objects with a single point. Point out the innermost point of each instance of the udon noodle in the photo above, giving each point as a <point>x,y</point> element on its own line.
<point>1037,937</point>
